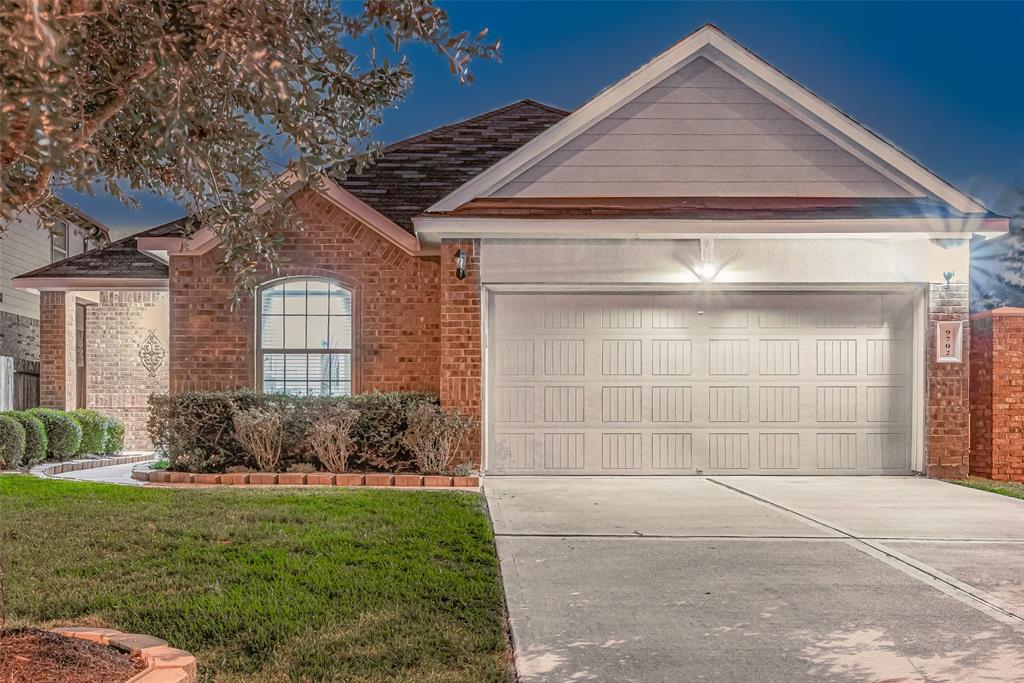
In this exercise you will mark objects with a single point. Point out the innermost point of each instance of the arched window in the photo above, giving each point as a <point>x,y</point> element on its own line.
<point>304,344</point>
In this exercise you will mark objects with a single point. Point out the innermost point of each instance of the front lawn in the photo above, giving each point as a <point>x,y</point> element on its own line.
<point>1006,488</point>
<point>265,585</point>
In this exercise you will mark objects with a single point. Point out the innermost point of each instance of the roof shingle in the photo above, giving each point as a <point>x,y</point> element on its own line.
<point>120,259</point>
<point>413,174</point>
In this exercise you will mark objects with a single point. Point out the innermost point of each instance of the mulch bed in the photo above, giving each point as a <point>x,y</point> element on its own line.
<point>29,655</point>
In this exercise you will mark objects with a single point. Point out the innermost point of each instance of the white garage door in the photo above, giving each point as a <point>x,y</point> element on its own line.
<point>751,383</point>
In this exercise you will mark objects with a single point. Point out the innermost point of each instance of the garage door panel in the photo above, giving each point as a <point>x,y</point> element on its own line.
<point>779,451</point>
<point>693,383</point>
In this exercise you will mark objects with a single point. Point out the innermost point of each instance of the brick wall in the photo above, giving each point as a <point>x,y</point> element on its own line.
<point>461,351</point>
<point>57,350</point>
<point>117,382</point>
<point>997,394</point>
<point>19,338</point>
<point>947,424</point>
<point>395,296</point>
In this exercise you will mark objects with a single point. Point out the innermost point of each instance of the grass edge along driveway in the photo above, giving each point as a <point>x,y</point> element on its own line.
<point>266,585</point>
<point>1012,489</point>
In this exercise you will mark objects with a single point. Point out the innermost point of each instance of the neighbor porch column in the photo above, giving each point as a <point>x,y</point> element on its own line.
<point>948,431</point>
<point>461,350</point>
<point>57,354</point>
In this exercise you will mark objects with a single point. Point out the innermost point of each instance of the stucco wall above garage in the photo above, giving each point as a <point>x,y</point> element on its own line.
<point>756,261</point>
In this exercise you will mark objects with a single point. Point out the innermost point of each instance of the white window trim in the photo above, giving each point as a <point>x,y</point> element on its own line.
<point>262,351</point>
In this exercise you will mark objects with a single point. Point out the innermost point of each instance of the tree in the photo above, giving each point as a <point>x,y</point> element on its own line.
<point>185,98</point>
<point>997,267</point>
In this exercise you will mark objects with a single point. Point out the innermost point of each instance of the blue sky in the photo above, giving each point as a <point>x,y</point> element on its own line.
<point>941,80</point>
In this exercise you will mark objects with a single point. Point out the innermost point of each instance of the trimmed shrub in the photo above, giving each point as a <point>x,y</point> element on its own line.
<point>260,431</point>
<point>94,430</point>
<point>195,430</point>
<point>434,436</point>
<point>12,442</point>
<point>63,434</point>
<point>35,437</point>
<point>115,437</point>
<point>330,437</point>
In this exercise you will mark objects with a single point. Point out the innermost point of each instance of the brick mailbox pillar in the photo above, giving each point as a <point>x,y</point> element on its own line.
<point>57,354</point>
<point>997,394</point>
<point>948,406</point>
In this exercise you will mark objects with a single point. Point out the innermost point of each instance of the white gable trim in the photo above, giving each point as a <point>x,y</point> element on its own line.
<point>363,212</point>
<point>638,81</point>
<point>432,229</point>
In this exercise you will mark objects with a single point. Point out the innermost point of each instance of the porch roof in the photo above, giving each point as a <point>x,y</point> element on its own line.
<point>119,265</point>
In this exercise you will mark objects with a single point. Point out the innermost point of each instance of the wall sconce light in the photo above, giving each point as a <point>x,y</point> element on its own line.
<point>460,264</point>
<point>707,269</point>
<point>948,275</point>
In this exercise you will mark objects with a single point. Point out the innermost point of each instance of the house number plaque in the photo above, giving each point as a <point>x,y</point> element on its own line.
<point>950,342</point>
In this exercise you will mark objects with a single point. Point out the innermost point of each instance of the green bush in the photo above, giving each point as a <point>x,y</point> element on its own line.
<point>94,431</point>
<point>35,437</point>
<point>115,437</point>
<point>12,442</point>
<point>63,433</point>
<point>379,432</point>
<point>194,430</point>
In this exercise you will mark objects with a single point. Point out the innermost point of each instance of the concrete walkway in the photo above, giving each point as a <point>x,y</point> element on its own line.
<point>760,579</point>
<point>115,474</point>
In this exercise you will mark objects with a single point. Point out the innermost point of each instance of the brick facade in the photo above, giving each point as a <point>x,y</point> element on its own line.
<point>117,382</point>
<point>416,326</point>
<point>19,339</point>
<point>57,380</point>
<point>947,424</point>
<point>396,308</point>
<point>462,352</point>
<point>997,394</point>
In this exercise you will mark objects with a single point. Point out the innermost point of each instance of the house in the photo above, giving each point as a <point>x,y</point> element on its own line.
<point>26,245</point>
<point>704,269</point>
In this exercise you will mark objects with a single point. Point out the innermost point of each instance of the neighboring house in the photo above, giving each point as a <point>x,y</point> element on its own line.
<point>26,245</point>
<point>704,269</point>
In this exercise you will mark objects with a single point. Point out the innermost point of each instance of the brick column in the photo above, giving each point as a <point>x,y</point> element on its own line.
<point>997,394</point>
<point>947,429</point>
<point>461,351</point>
<point>57,371</point>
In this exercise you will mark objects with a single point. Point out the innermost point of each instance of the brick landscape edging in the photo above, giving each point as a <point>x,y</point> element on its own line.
<point>88,464</point>
<point>300,479</point>
<point>164,664</point>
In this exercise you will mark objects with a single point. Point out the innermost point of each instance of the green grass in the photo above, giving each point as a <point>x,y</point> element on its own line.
<point>1006,488</point>
<point>265,585</point>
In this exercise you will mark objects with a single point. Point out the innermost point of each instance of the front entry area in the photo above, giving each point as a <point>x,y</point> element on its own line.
<point>703,383</point>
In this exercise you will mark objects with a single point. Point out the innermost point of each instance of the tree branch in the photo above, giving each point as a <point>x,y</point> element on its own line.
<point>34,189</point>
<point>107,112</point>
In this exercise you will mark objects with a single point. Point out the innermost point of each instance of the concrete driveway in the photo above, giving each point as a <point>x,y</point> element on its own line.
<point>760,579</point>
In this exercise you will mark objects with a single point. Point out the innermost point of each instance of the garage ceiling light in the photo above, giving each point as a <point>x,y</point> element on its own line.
<point>707,269</point>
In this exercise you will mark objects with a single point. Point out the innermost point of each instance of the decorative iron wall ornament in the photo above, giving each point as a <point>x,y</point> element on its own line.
<point>152,353</point>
